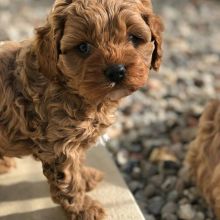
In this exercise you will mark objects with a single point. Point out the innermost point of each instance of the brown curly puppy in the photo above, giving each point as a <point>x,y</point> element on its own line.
<point>59,90</point>
<point>204,156</point>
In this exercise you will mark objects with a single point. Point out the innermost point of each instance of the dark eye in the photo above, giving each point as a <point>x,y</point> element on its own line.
<point>136,41</point>
<point>84,48</point>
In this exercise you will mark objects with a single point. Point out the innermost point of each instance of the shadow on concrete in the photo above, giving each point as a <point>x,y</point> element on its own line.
<point>42,214</point>
<point>23,191</point>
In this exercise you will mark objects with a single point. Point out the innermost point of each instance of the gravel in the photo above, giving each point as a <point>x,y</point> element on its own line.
<point>155,125</point>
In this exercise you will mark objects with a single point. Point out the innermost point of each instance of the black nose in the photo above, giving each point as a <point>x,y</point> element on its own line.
<point>116,72</point>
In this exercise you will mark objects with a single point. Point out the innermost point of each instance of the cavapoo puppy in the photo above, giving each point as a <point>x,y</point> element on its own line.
<point>59,90</point>
<point>203,157</point>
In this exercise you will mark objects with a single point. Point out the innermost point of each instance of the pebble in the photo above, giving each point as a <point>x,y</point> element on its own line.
<point>183,201</point>
<point>148,169</point>
<point>122,157</point>
<point>149,217</point>
<point>186,212</point>
<point>135,185</point>
<point>136,172</point>
<point>169,184</point>
<point>140,196</point>
<point>157,180</point>
<point>169,208</point>
<point>168,216</point>
<point>155,205</point>
<point>150,190</point>
<point>199,216</point>
<point>172,196</point>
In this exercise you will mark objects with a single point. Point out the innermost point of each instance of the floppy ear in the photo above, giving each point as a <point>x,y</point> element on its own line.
<point>157,28</point>
<point>47,41</point>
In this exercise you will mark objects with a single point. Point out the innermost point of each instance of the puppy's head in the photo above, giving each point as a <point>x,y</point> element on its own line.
<point>100,48</point>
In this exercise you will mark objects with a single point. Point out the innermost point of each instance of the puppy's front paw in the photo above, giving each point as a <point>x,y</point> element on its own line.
<point>92,177</point>
<point>92,212</point>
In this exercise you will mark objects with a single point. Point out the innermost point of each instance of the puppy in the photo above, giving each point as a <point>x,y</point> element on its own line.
<point>59,90</point>
<point>203,156</point>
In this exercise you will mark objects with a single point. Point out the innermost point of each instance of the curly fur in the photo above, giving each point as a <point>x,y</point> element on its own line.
<point>203,156</point>
<point>55,103</point>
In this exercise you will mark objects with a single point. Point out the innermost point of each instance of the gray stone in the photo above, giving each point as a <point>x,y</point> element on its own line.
<point>157,180</point>
<point>155,205</point>
<point>122,157</point>
<point>170,208</point>
<point>186,212</point>
<point>140,196</point>
<point>172,196</point>
<point>169,216</point>
<point>149,191</point>
<point>199,216</point>
<point>135,185</point>
<point>148,169</point>
<point>169,183</point>
<point>136,172</point>
<point>149,217</point>
<point>183,201</point>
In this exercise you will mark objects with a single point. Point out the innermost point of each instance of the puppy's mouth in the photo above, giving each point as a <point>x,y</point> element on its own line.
<point>124,88</point>
<point>118,94</point>
<point>120,85</point>
<point>120,91</point>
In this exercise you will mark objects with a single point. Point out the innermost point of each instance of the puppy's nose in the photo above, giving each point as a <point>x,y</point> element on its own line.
<point>115,73</point>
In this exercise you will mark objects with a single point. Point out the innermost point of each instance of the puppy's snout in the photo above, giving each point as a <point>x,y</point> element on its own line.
<point>115,73</point>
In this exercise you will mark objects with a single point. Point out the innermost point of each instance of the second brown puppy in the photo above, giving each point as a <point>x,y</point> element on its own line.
<point>204,156</point>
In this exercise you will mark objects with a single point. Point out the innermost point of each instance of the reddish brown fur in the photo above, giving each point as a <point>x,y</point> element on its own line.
<point>55,103</point>
<point>203,156</point>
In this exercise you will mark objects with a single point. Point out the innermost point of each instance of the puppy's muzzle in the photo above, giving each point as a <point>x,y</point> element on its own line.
<point>115,73</point>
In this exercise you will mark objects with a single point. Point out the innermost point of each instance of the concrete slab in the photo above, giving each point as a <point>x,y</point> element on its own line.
<point>24,192</point>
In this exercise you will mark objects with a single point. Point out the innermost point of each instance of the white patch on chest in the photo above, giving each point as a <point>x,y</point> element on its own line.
<point>118,94</point>
<point>103,140</point>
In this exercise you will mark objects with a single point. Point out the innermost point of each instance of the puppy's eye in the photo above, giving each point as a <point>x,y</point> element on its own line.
<point>84,48</point>
<point>136,41</point>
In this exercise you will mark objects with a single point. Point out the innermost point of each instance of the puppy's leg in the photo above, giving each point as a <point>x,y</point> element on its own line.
<point>68,188</point>
<point>6,164</point>
<point>91,177</point>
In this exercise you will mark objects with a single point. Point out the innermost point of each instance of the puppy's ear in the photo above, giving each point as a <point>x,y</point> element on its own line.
<point>157,28</point>
<point>47,42</point>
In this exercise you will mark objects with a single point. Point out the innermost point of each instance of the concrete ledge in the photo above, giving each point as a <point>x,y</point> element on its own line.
<point>24,192</point>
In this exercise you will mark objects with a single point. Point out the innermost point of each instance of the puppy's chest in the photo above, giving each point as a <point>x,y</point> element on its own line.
<point>82,130</point>
<point>89,130</point>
